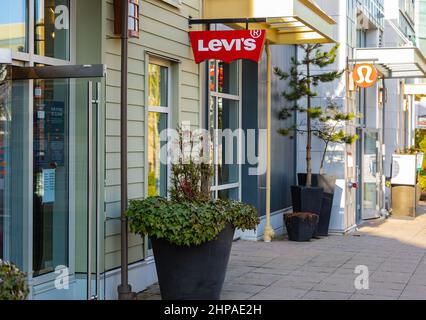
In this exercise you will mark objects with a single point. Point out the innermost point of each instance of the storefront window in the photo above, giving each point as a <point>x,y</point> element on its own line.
<point>223,123</point>
<point>14,25</point>
<point>157,122</point>
<point>4,148</point>
<point>158,86</point>
<point>228,147</point>
<point>52,28</point>
<point>50,175</point>
<point>157,172</point>
<point>13,179</point>
<point>224,77</point>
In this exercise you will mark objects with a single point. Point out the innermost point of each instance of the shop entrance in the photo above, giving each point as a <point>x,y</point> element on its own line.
<point>50,224</point>
<point>371,175</point>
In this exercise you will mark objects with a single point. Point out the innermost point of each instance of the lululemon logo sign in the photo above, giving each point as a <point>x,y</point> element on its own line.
<point>365,75</point>
<point>227,45</point>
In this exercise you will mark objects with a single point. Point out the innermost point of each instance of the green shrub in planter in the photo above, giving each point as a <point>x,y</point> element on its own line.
<point>190,217</point>
<point>13,282</point>
<point>188,223</point>
<point>191,233</point>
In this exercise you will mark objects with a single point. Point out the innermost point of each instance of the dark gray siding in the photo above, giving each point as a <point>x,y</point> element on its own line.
<point>254,116</point>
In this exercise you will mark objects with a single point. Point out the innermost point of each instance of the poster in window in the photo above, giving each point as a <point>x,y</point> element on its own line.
<point>57,133</point>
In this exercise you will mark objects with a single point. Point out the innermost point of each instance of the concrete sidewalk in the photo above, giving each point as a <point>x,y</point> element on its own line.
<point>394,251</point>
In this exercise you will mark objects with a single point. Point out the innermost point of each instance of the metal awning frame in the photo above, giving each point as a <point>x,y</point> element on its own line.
<point>289,22</point>
<point>394,63</point>
<point>276,28</point>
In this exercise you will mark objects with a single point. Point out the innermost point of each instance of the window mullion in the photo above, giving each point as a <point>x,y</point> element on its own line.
<point>31,33</point>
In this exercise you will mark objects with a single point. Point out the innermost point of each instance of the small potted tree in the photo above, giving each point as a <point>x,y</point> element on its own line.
<point>330,129</point>
<point>304,76</point>
<point>191,233</point>
<point>13,282</point>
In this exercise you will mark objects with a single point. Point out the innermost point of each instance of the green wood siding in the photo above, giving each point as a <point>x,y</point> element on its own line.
<point>164,30</point>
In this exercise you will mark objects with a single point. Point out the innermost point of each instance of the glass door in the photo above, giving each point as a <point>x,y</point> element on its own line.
<point>65,256</point>
<point>371,176</point>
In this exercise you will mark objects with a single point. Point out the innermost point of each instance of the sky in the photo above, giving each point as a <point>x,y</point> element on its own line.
<point>12,11</point>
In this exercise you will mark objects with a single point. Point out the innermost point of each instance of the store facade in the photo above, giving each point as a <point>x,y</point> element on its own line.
<point>379,33</point>
<point>60,219</point>
<point>60,139</point>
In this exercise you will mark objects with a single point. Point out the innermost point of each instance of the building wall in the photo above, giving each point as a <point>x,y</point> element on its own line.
<point>342,217</point>
<point>421,25</point>
<point>164,32</point>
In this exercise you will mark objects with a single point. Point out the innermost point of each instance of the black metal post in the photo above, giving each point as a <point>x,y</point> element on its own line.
<point>124,289</point>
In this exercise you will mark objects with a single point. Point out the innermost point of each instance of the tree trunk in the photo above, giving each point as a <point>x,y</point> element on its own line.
<point>323,159</point>
<point>309,129</point>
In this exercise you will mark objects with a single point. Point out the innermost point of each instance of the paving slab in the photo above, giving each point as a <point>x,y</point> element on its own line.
<point>393,250</point>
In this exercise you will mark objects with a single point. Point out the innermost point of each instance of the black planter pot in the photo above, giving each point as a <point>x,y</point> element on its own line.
<point>306,199</point>
<point>196,272</point>
<point>328,184</point>
<point>301,226</point>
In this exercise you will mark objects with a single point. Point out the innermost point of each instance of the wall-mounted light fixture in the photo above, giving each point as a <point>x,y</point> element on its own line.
<point>133,25</point>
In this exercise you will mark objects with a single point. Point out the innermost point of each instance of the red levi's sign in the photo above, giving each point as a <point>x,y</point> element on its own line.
<point>227,46</point>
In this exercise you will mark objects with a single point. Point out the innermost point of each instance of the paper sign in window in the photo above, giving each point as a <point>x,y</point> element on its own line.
<point>49,185</point>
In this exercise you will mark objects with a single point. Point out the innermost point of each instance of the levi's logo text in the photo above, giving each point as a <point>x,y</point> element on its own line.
<point>227,46</point>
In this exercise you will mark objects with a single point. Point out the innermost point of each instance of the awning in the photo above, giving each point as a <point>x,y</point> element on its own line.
<point>416,90</point>
<point>404,62</point>
<point>285,21</point>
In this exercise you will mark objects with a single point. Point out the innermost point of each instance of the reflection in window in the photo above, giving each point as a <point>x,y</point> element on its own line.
<point>4,150</point>
<point>227,81</point>
<point>13,141</point>
<point>52,28</point>
<point>14,25</point>
<point>223,123</point>
<point>228,146</point>
<point>157,122</point>
<point>157,171</point>
<point>50,175</point>
<point>158,86</point>
<point>229,194</point>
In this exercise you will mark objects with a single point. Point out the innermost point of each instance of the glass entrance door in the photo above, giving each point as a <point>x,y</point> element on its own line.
<point>64,260</point>
<point>371,176</point>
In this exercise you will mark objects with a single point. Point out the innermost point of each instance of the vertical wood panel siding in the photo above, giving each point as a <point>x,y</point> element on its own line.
<point>164,30</point>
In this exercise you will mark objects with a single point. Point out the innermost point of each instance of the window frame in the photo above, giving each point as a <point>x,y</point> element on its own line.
<point>216,187</point>
<point>168,110</point>
<point>30,59</point>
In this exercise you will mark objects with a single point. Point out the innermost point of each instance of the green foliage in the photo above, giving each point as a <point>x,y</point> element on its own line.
<point>152,189</point>
<point>13,282</point>
<point>188,223</point>
<point>422,179</point>
<point>420,139</point>
<point>190,217</point>
<point>326,124</point>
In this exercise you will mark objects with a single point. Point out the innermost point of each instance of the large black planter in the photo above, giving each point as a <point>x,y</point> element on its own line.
<point>301,226</point>
<point>196,272</point>
<point>328,184</point>
<point>306,199</point>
